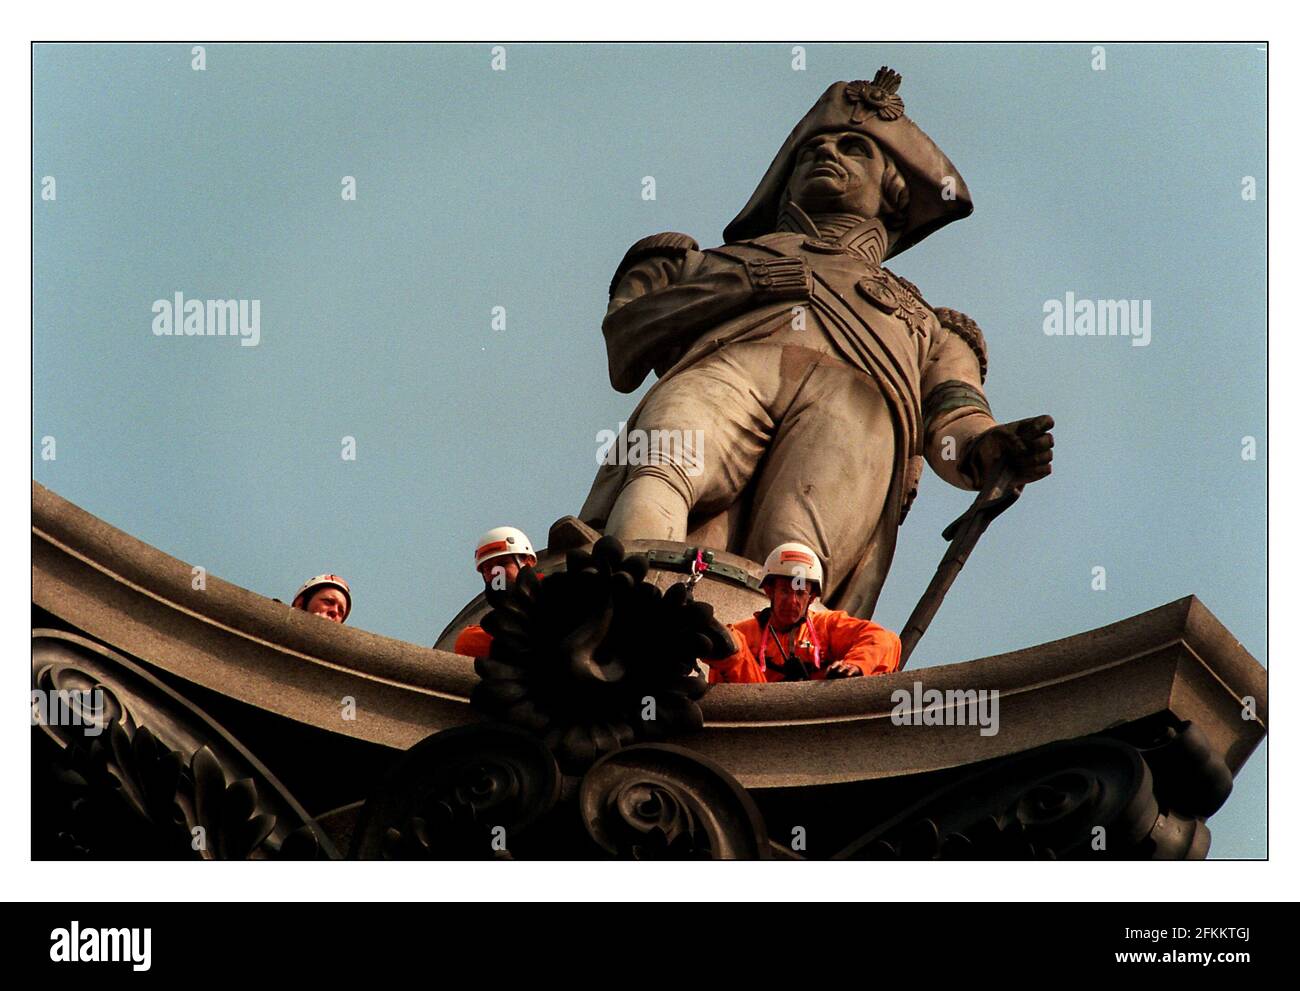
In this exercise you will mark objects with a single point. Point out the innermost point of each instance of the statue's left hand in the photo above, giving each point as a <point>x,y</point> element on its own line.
<point>1023,446</point>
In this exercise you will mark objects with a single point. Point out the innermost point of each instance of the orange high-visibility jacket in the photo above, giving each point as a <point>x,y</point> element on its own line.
<point>473,641</point>
<point>839,636</point>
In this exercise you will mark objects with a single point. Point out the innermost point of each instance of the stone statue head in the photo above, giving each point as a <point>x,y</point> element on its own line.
<point>848,172</point>
<point>856,151</point>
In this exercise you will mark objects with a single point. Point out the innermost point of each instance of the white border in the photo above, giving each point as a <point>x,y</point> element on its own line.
<point>566,881</point>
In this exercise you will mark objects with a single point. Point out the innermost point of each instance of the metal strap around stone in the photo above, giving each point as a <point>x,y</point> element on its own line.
<point>682,561</point>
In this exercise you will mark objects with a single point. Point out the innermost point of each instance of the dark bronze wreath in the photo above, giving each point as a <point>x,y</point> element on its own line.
<point>595,657</point>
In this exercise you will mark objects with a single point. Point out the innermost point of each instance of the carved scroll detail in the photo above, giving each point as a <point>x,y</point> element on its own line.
<point>464,794</point>
<point>660,802</point>
<point>1080,798</point>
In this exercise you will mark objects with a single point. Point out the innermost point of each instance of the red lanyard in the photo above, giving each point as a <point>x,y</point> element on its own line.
<point>812,633</point>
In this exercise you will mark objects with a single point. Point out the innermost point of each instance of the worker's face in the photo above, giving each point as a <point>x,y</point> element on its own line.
<point>501,572</point>
<point>841,171</point>
<point>330,603</point>
<point>789,598</point>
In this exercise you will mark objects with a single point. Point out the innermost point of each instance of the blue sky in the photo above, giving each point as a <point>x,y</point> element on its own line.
<point>522,189</point>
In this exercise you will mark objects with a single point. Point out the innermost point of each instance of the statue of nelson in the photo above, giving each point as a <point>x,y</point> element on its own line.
<point>818,378</point>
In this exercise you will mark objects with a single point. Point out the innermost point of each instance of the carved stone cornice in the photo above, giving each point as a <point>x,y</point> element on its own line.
<point>124,767</point>
<point>233,641</point>
<point>1176,659</point>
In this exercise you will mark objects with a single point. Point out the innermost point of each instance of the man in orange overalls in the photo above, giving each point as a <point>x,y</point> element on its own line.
<point>500,553</point>
<point>798,639</point>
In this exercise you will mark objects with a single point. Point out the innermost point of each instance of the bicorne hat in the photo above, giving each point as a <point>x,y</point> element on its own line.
<point>937,192</point>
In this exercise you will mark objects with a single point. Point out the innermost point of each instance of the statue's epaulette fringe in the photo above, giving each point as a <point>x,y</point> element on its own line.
<point>669,243</point>
<point>968,330</point>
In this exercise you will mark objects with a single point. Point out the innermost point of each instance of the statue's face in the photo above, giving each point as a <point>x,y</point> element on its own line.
<point>838,172</point>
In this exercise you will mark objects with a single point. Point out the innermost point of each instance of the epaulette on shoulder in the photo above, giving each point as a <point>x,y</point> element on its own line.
<point>968,330</point>
<point>668,243</point>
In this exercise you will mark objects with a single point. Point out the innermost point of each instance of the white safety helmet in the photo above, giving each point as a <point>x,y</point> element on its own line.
<point>311,585</point>
<point>794,560</point>
<point>500,541</point>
